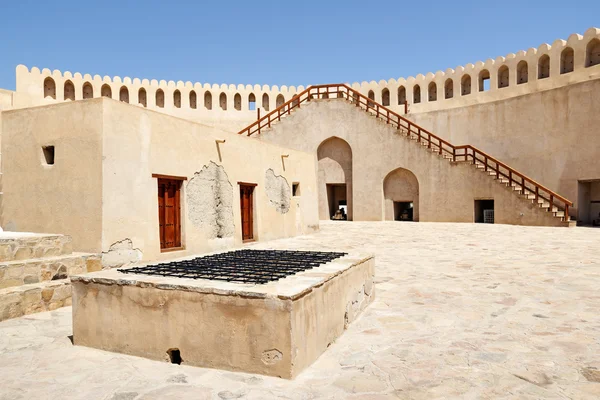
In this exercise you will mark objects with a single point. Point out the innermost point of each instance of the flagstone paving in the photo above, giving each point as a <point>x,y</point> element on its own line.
<point>461,311</point>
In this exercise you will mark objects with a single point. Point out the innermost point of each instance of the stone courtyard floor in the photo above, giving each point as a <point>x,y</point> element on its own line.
<point>461,311</point>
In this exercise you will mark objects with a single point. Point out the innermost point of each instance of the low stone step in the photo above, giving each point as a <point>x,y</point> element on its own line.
<point>38,297</point>
<point>25,245</point>
<point>24,272</point>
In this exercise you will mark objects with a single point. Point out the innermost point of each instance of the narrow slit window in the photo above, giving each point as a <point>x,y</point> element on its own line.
<point>48,152</point>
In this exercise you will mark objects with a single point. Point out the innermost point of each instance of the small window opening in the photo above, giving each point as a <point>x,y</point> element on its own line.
<point>223,101</point>
<point>416,94</point>
<point>48,154</point>
<point>403,210</point>
<point>401,95</point>
<point>175,356</point>
<point>385,97</point>
<point>522,73</point>
<point>193,100</point>
<point>279,100</point>
<point>503,77</point>
<point>177,99</point>
<point>237,102</point>
<point>465,85</point>
<point>592,54</point>
<point>265,102</point>
<point>142,99</point>
<point>252,102</point>
<point>544,67</point>
<point>432,92</point>
<point>295,189</point>
<point>208,100</point>
<point>449,89</point>
<point>160,98</point>
<point>567,61</point>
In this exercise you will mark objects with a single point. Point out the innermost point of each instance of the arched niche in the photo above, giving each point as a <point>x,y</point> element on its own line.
<point>69,91</point>
<point>416,94</point>
<point>401,196</point>
<point>567,60</point>
<point>503,76</point>
<point>251,102</point>
<point>208,100</point>
<point>160,98</point>
<point>522,72</point>
<point>49,89</point>
<point>124,95</point>
<point>106,91</point>
<point>544,67</point>
<point>401,95</point>
<point>265,102</point>
<point>592,53</point>
<point>432,91</point>
<point>88,91</point>
<point>279,100</point>
<point>449,89</point>
<point>484,80</point>
<point>223,101</point>
<point>334,157</point>
<point>142,97</point>
<point>177,99</point>
<point>385,97</point>
<point>465,85</point>
<point>193,100</point>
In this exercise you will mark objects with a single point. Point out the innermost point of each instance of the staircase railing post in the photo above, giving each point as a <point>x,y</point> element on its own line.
<point>440,146</point>
<point>486,163</point>
<point>497,171</point>
<point>405,107</point>
<point>551,203</point>
<point>537,193</point>
<point>258,115</point>
<point>454,154</point>
<point>567,217</point>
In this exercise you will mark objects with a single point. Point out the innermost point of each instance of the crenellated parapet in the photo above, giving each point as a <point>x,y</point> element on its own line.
<point>549,66</point>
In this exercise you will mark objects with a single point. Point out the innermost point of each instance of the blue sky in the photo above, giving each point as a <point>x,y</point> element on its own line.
<point>276,42</point>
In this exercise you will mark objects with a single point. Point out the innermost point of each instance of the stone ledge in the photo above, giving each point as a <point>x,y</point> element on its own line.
<point>28,299</point>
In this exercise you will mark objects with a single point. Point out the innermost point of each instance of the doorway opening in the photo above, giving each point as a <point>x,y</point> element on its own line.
<point>403,211</point>
<point>338,201</point>
<point>169,213</point>
<point>588,203</point>
<point>247,210</point>
<point>484,211</point>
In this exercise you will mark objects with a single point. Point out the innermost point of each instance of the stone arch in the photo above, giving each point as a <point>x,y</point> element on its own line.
<point>88,90</point>
<point>484,76</point>
<point>106,91</point>
<point>567,60</point>
<point>400,190</point>
<point>142,97</point>
<point>69,91</point>
<point>223,101</point>
<point>279,100</point>
<point>416,94</point>
<point>251,102</point>
<point>449,88</point>
<point>465,85</point>
<point>503,75</point>
<point>592,53</point>
<point>265,102</point>
<point>208,100</point>
<point>522,72</point>
<point>432,91</point>
<point>160,98</point>
<point>401,95</point>
<point>124,94</point>
<point>334,157</point>
<point>177,98</point>
<point>49,88</point>
<point>193,100</point>
<point>544,66</point>
<point>385,97</point>
<point>237,102</point>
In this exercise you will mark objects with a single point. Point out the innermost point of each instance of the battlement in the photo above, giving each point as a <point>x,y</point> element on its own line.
<point>564,62</point>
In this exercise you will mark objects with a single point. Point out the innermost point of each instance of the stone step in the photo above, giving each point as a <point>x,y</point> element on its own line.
<point>24,272</point>
<point>25,245</point>
<point>37,297</point>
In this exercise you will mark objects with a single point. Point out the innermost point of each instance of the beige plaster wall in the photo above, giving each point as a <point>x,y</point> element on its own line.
<point>446,191</point>
<point>62,198</point>
<point>138,143</point>
<point>551,136</point>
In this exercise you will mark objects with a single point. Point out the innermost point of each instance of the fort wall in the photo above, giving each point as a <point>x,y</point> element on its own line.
<point>231,107</point>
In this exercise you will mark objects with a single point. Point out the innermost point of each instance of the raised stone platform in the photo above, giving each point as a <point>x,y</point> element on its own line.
<point>277,328</point>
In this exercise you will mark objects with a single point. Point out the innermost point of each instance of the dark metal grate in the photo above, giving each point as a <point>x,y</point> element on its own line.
<point>246,266</point>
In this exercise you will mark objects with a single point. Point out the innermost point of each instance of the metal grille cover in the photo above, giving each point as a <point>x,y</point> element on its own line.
<point>244,266</point>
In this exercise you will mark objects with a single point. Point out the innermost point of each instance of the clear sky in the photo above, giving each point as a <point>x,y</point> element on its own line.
<point>276,42</point>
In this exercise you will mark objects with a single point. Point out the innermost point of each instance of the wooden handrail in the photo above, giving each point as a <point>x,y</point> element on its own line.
<point>414,131</point>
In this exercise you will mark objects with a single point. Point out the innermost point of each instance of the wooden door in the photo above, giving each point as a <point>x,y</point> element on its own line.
<point>246,203</point>
<point>169,213</point>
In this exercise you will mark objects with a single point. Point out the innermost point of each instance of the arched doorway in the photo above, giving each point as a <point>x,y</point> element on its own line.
<point>334,157</point>
<point>401,196</point>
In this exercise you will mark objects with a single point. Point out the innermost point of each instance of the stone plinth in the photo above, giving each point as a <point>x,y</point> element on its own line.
<point>276,329</point>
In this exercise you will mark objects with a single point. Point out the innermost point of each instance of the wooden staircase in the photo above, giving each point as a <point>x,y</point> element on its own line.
<point>527,188</point>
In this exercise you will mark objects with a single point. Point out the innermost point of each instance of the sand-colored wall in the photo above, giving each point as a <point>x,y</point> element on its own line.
<point>446,191</point>
<point>550,136</point>
<point>62,198</point>
<point>138,143</point>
